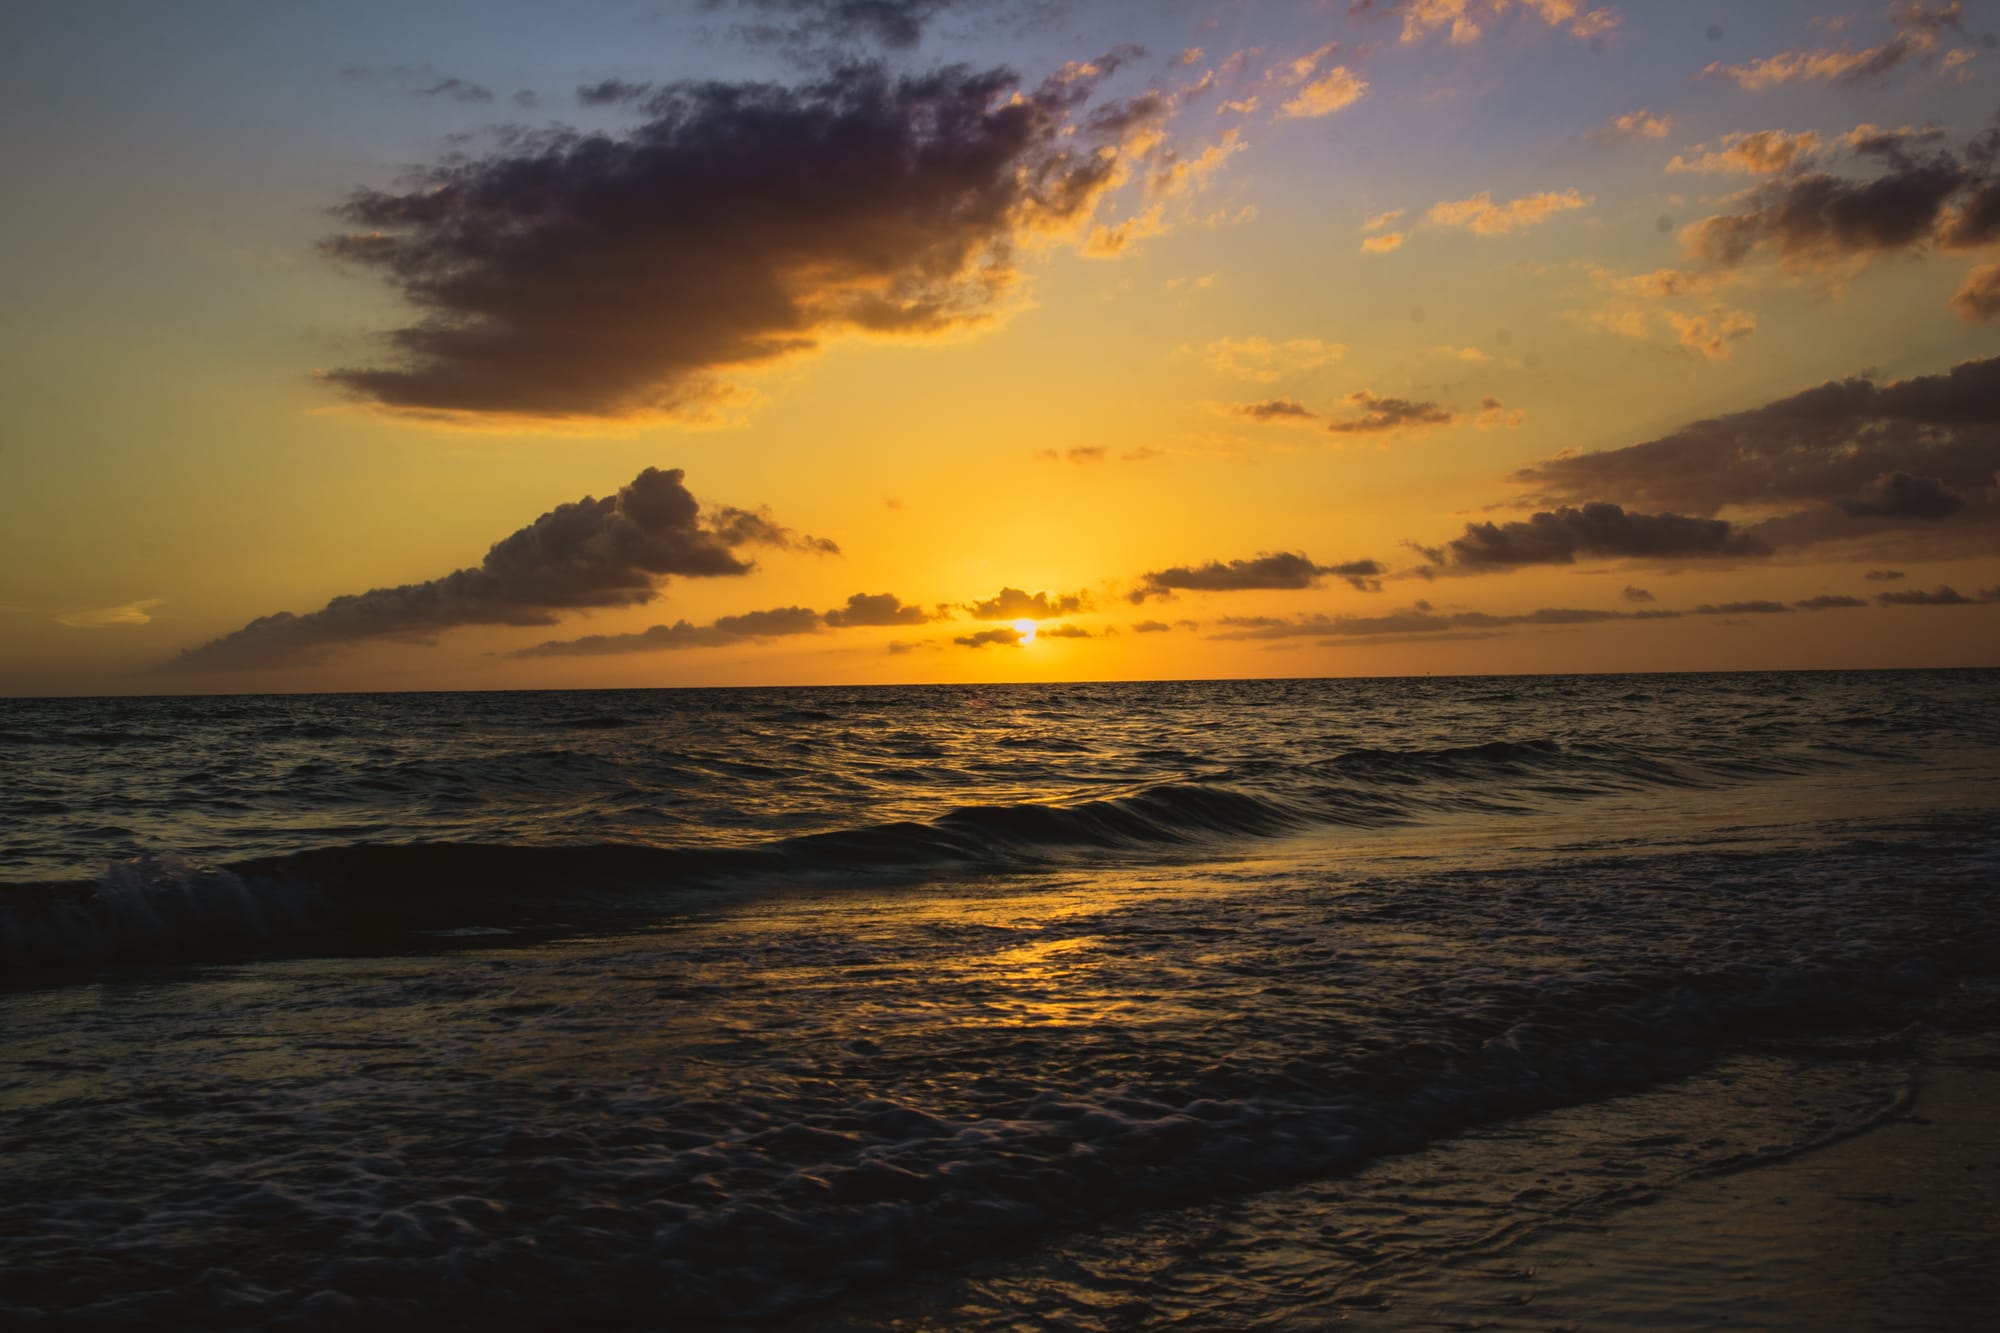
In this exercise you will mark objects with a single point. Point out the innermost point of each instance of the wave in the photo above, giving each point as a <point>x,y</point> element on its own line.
<point>362,895</point>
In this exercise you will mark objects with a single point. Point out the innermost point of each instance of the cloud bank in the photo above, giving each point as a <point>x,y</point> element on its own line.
<point>1282,571</point>
<point>1848,459</point>
<point>589,554</point>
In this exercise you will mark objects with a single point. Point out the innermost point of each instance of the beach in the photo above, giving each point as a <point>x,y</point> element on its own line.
<point>1896,1227</point>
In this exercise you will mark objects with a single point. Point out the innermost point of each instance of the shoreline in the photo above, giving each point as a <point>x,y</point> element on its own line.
<point>1897,1227</point>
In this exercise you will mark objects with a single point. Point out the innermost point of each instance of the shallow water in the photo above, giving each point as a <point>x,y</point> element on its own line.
<point>1255,1000</point>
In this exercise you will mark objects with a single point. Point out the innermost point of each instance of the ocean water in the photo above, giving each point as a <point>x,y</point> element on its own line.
<point>1095,1007</point>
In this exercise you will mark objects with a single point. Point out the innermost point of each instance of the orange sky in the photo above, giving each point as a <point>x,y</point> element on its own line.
<point>755,343</point>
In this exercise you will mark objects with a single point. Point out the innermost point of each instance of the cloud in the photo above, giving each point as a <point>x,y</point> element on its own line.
<point>1009,636</point>
<point>575,275</point>
<point>1632,594</point>
<point>1663,284</point>
<point>1639,124</point>
<point>1286,570</point>
<point>897,24</point>
<point>876,608</point>
<point>589,554</point>
<point>1712,334</point>
<point>1276,409</point>
<point>1979,299</point>
<point>457,90</point>
<point>111,617</point>
<point>1064,631</point>
<point>1918,32</point>
<point>1482,217</point>
<point>1014,604</point>
<point>1418,621</point>
<point>1263,360</point>
<point>1381,220</point>
<point>1900,495</point>
<point>1818,218</point>
<point>1386,243</point>
<point>1082,453</point>
<point>1319,93</point>
<point>1830,602</point>
<point>1464,21</point>
<point>1493,414</point>
<point>727,631</point>
<point>1600,530</point>
<point>612,92</point>
<point>1758,153</point>
<point>1942,595</point>
<point>1741,609</point>
<point>1849,459</point>
<point>1884,575</point>
<point>1891,145</point>
<point>1151,627</point>
<point>1383,416</point>
<point>764,624</point>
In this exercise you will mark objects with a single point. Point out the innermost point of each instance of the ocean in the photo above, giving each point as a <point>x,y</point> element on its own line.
<point>1236,1004</point>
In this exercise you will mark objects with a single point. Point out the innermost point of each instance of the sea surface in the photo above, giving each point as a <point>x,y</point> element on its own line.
<point>1244,1004</point>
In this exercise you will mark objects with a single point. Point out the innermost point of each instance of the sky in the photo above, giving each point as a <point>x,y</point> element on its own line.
<point>441,345</point>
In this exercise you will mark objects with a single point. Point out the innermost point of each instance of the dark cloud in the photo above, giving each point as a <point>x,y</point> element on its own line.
<point>1083,453</point>
<point>1816,218</point>
<point>1418,621</point>
<point>1632,594</point>
<point>986,637</point>
<point>1884,575</point>
<point>458,90</point>
<point>1064,631</point>
<point>726,631</point>
<point>1900,495</point>
<point>876,608</point>
<point>593,553</point>
<point>598,275</point>
<point>1240,628</point>
<point>897,24</point>
<point>1014,604</point>
<point>1740,609</point>
<point>1283,570</point>
<point>766,624</point>
<point>1381,415</point>
<point>1942,595</point>
<point>612,92</point>
<point>1277,409</point>
<point>756,527</point>
<point>1829,602</point>
<point>1824,463</point>
<point>1600,530</point>
<point>1152,627</point>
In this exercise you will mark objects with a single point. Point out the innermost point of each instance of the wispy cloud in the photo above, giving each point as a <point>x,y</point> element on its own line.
<point>111,617</point>
<point>1479,215</point>
<point>1264,360</point>
<point>1919,30</point>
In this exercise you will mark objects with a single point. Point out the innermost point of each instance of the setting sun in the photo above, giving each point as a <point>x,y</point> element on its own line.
<point>1026,629</point>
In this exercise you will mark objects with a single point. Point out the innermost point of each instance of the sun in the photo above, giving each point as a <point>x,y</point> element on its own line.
<point>1026,629</point>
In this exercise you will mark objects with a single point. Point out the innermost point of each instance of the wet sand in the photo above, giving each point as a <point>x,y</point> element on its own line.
<point>1895,1228</point>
